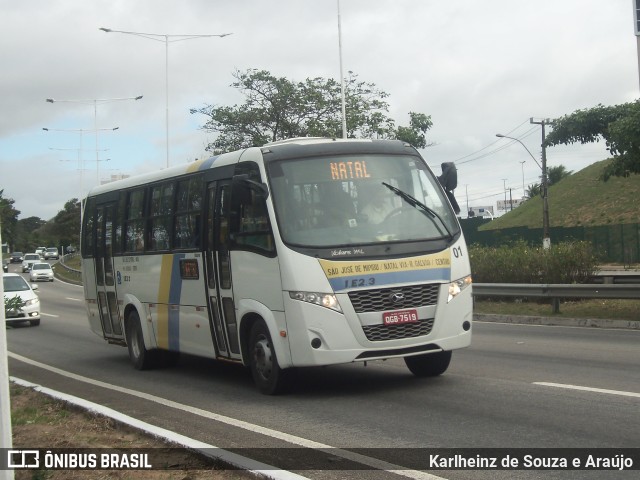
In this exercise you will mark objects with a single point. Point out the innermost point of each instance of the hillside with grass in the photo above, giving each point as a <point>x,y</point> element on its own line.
<point>580,200</point>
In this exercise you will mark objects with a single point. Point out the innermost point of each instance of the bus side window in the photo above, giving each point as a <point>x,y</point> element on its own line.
<point>134,233</point>
<point>160,217</point>
<point>87,240</point>
<point>252,230</point>
<point>187,219</point>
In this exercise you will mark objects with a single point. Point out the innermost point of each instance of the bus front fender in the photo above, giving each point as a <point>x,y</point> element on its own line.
<point>249,311</point>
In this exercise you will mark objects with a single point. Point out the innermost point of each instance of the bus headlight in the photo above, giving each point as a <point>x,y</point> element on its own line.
<point>458,286</point>
<point>323,299</point>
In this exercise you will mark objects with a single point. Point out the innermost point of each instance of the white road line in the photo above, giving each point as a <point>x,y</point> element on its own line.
<point>42,314</point>
<point>295,440</point>
<point>74,299</point>
<point>589,389</point>
<point>263,470</point>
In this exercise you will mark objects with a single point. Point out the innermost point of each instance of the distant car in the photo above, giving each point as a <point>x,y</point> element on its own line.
<point>5,266</point>
<point>40,251</point>
<point>16,286</point>
<point>29,259</point>
<point>17,257</point>
<point>71,249</point>
<point>41,271</point>
<point>51,252</point>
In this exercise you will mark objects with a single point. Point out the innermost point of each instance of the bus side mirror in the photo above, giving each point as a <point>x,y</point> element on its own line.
<point>259,186</point>
<point>449,181</point>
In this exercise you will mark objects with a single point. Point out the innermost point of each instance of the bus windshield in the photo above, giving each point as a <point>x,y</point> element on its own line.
<point>357,200</point>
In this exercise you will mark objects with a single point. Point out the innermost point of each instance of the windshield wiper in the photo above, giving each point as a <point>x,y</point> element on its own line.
<point>414,202</point>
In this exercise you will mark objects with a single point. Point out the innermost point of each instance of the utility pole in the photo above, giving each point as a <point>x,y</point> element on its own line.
<point>546,240</point>
<point>510,200</point>
<point>466,189</point>
<point>636,27</point>
<point>504,187</point>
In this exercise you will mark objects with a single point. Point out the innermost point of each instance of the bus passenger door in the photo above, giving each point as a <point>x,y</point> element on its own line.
<point>105,284</point>
<point>218,260</point>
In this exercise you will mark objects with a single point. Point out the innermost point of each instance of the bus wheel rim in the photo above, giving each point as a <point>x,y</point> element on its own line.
<point>262,357</point>
<point>135,344</point>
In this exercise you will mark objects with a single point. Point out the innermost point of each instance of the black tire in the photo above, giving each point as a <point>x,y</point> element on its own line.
<point>267,374</point>
<point>429,365</point>
<point>141,358</point>
<point>34,323</point>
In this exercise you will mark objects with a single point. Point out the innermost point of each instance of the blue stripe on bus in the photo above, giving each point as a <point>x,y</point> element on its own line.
<point>390,278</point>
<point>175,290</point>
<point>207,163</point>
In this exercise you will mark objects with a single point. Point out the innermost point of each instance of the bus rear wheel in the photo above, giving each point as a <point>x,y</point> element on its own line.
<point>267,374</point>
<point>141,358</point>
<point>429,365</point>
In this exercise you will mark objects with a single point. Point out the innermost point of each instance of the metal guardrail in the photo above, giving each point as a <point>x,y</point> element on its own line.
<point>557,291</point>
<point>616,277</point>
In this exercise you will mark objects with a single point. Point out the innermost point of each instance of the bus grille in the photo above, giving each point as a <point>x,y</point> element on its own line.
<point>380,300</point>
<point>379,333</point>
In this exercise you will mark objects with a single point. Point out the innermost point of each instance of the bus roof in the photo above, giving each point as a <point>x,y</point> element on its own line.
<point>279,150</point>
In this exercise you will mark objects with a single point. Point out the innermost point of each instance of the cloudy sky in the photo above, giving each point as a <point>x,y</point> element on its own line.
<point>476,67</point>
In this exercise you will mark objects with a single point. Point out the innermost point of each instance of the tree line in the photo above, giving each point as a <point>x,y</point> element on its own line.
<point>29,233</point>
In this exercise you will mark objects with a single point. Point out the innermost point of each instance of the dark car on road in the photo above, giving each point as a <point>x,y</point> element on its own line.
<point>17,257</point>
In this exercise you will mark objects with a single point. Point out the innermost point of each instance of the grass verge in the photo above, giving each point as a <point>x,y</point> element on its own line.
<point>39,421</point>
<point>609,309</point>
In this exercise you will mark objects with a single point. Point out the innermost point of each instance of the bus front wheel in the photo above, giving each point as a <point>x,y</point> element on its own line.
<point>429,365</point>
<point>141,358</point>
<point>267,374</point>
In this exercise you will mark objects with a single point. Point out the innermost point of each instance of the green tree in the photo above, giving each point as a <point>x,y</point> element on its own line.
<point>618,125</point>
<point>65,226</point>
<point>27,235</point>
<point>277,108</point>
<point>8,220</point>
<point>555,174</point>
<point>533,190</point>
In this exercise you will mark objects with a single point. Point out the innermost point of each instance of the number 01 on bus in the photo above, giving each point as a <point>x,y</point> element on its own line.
<point>301,253</point>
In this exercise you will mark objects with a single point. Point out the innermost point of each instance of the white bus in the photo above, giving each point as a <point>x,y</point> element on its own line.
<point>300,253</point>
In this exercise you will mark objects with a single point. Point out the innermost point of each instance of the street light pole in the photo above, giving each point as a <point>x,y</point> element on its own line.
<point>79,150</point>
<point>6,438</point>
<point>546,240</point>
<point>166,38</point>
<point>95,102</point>
<point>523,190</point>
<point>342,92</point>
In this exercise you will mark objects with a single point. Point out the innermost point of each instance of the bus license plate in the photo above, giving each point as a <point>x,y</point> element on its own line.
<point>399,317</point>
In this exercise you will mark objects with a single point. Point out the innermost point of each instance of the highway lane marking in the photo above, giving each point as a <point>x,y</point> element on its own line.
<point>42,314</point>
<point>589,389</point>
<point>293,439</point>
<point>74,299</point>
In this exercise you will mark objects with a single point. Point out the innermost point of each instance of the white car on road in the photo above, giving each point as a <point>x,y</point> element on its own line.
<point>41,271</point>
<point>51,252</point>
<point>16,286</point>
<point>29,259</point>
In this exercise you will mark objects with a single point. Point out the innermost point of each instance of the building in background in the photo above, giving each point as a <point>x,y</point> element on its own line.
<point>507,206</point>
<point>480,212</point>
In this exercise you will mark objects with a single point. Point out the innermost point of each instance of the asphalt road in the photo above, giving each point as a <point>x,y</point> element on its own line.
<point>517,386</point>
